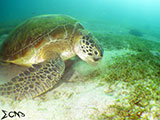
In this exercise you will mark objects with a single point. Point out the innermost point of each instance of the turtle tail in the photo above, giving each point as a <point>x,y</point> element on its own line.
<point>34,81</point>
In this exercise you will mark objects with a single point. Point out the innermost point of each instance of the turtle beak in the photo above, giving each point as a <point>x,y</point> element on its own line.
<point>95,61</point>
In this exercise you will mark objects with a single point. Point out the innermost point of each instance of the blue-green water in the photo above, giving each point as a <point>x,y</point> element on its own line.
<point>132,11</point>
<point>143,14</point>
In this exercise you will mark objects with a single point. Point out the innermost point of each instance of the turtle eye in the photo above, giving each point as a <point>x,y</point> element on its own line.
<point>95,52</point>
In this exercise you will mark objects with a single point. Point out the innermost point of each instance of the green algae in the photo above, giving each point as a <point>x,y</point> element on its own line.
<point>133,67</point>
<point>116,42</point>
<point>139,73</point>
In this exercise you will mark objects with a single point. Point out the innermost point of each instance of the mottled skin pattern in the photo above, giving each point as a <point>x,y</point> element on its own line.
<point>34,84</point>
<point>43,43</point>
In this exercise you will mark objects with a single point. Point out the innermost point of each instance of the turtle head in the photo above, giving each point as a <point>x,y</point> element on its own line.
<point>88,49</point>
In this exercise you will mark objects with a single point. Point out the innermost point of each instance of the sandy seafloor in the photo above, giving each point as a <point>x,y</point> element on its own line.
<point>76,97</point>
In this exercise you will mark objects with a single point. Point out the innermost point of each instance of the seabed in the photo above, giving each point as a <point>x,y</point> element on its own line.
<point>124,86</point>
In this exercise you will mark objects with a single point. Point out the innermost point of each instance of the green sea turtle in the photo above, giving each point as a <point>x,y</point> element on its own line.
<point>43,43</point>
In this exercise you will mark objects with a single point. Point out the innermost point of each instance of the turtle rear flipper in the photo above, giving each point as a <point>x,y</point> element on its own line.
<point>35,81</point>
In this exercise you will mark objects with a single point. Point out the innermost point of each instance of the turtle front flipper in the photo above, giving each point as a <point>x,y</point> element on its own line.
<point>35,81</point>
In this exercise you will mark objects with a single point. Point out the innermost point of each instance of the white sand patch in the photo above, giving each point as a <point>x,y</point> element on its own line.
<point>78,106</point>
<point>76,99</point>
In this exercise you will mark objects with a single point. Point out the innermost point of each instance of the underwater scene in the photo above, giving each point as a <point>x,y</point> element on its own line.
<point>79,60</point>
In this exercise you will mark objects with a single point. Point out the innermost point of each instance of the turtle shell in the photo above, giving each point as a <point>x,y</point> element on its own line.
<point>32,32</point>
